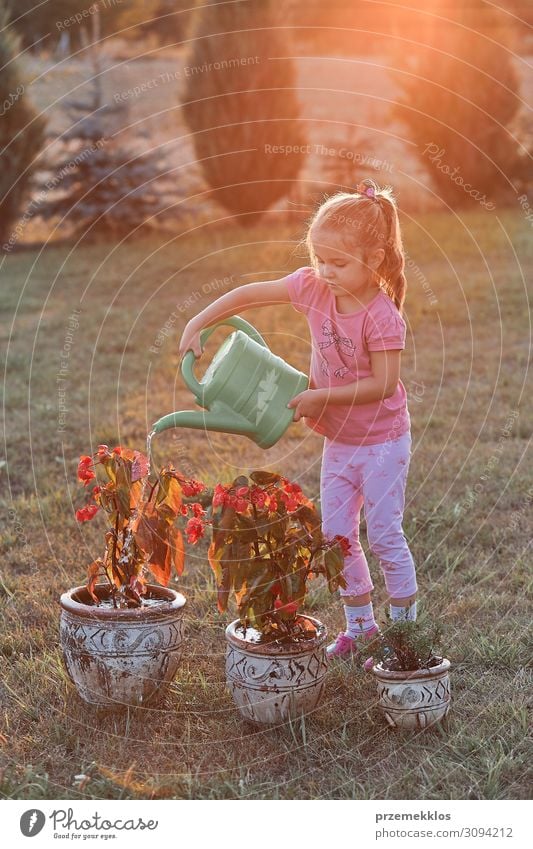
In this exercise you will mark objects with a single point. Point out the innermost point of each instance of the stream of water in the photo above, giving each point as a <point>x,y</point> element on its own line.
<point>149,459</point>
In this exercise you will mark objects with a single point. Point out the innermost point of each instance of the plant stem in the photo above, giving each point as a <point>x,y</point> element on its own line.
<point>256,543</point>
<point>112,587</point>
<point>114,558</point>
<point>152,490</point>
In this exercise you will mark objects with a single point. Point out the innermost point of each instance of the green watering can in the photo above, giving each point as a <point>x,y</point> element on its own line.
<point>245,389</point>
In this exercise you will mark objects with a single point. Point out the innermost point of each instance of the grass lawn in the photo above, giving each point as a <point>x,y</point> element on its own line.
<point>467,518</point>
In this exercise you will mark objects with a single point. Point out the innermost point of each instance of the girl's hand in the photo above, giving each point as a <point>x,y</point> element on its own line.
<point>309,403</point>
<point>190,339</point>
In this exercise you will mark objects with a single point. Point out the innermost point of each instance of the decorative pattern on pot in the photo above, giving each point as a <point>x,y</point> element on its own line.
<point>414,700</point>
<point>121,657</point>
<point>271,683</point>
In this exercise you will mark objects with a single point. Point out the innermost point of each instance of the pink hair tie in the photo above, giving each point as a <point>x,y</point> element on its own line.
<point>369,191</point>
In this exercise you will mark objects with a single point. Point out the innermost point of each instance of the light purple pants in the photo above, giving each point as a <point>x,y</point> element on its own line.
<point>373,475</point>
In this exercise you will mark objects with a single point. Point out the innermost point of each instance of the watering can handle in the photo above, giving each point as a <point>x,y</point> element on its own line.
<point>187,365</point>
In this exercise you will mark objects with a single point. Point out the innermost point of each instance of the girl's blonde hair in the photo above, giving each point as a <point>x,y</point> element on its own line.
<point>368,218</point>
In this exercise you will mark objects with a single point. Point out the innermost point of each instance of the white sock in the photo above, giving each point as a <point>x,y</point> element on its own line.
<point>359,619</point>
<point>408,613</point>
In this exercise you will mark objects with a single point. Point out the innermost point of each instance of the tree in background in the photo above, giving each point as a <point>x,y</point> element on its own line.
<point>240,105</point>
<point>171,20</point>
<point>98,184</point>
<point>460,104</point>
<point>22,133</point>
<point>46,24</point>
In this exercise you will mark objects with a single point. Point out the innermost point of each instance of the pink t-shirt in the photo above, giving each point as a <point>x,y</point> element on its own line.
<point>341,345</point>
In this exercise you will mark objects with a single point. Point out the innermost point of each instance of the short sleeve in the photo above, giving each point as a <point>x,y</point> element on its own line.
<point>386,334</point>
<point>302,288</point>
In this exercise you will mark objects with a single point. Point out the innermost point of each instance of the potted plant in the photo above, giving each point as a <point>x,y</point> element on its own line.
<point>120,635</point>
<point>266,543</point>
<point>412,674</point>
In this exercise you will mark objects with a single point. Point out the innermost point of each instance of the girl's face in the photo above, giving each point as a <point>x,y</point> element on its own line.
<point>344,269</point>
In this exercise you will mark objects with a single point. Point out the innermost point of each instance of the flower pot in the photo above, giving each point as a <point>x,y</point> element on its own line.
<point>274,682</point>
<point>414,700</point>
<point>121,657</point>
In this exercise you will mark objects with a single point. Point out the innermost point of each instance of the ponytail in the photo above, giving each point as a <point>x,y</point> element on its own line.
<point>391,269</point>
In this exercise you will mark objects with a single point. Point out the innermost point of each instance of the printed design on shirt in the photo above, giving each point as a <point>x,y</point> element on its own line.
<point>342,344</point>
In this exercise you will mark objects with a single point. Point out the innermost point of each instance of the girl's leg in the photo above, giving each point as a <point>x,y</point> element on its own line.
<point>341,500</point>
<point>384,482</point>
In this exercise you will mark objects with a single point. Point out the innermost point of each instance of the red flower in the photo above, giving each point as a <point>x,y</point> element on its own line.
<point>291,607</point>
<point>117,450</point>
<point>292,488</point>
<point>241,491</point>
<point>272,502</point>
<point>291,503</point>
<point>258,497</point>
<point>191,487</point>
<point>241,505</point>
<point>194,530</point>
<point>344,543</point>
<point>275,589</point>
<point>85,473</point>
<point>219,495</point>
<point>197,510</point>
<point>85,514</point>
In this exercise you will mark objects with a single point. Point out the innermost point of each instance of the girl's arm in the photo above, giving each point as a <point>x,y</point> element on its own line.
<point>381,384</point>
<point>243,298</point>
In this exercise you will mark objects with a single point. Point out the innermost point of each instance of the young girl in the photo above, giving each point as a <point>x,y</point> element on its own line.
<point>352,296</point>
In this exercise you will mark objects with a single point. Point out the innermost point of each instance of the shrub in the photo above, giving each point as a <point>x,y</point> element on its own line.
<point>458,106</point>
<point>21,132</point>
<point>240,105</point>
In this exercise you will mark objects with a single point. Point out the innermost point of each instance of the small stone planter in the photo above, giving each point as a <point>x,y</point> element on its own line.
<point>414,700</point>
<point>271,682</point>
<point>121,657</point>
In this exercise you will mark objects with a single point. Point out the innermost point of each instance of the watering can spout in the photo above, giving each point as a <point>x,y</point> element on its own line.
<point>217,419</point>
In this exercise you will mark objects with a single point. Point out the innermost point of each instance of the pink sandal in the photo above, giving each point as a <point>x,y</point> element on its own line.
<point>344,646</point>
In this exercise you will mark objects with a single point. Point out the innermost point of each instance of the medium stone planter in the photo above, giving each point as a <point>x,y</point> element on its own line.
<point>271,682</point>
<point>121,657</point>
<point>414,700</point>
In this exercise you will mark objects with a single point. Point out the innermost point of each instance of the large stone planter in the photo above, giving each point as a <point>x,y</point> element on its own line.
<point>414,700</point>
<point>121,657</point>
<point>271,683</point>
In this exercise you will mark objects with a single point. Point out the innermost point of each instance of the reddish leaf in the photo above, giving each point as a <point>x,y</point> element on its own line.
<point>144,526</point>
<point>214,555</point>
<point>140,467</point>
<point>223,590</point>
<point>265,478</point>
<point>162,566</point>
<point>169,496</point>
<point>178,550</point>
<point>92,577</point>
